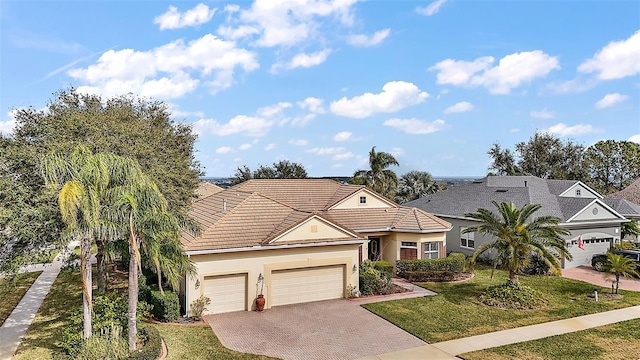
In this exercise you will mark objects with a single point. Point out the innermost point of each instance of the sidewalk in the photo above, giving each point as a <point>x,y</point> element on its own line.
<point>16,325</point>
<point>449,349</point>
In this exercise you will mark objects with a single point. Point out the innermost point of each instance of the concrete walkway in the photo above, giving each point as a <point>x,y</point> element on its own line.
<point>16,325</point>
<point>414,292</point>
<point>449,349</point>
<point>588,274</point>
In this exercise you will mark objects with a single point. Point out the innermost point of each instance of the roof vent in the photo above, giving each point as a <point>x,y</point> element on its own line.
<point>502,190</point>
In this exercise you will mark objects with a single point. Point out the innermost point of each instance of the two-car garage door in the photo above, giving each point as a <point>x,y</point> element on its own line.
<point>308,284</point>
<point>291,286</point>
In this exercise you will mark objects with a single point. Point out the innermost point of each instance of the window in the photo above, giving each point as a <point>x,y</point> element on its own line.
<point>431,250</point>
<point>467,240</point>
<point>409,244</point>
<point>363,199</point>
<point>578,192</point>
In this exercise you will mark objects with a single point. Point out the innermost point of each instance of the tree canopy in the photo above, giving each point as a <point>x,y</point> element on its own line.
<point>378,177</point>
<point>283,169</point>
<point>414,185</point>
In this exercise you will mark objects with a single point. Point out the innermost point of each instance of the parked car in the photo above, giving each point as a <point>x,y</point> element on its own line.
<point>598,261</point>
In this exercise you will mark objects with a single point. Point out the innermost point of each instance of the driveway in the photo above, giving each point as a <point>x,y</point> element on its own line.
<point>324,330</point>
<point>586,273</point>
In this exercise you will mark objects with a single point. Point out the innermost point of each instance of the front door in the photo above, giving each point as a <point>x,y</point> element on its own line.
<point>375,252</point>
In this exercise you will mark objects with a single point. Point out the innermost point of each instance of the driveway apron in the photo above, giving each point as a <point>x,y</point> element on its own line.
<point>324,330</point>
<point>588,274</point>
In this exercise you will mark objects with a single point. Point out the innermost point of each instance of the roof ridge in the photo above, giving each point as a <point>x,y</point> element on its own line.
<point>434,218</point>
<point>400,219</point>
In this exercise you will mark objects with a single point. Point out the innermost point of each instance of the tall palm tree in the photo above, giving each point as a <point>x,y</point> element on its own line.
<point>378,177</point>
<point>516,236</point>
<point>619,265</point>
<point>414,185</point>
<point>83,180</point>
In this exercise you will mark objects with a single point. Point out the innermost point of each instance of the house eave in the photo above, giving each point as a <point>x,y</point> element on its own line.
<point>429,231</point>
<point>275,247</point>
<point>593,223</point>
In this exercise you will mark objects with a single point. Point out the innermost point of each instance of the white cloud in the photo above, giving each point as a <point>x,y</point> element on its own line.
<point>459,107</point>
<point>395,96</point>
<point>610,100</point>
<point>241,124</point>
<point>172,19</point>
<point>285,23</point>
<point>299,142</point>
<point>303,60</point>
<point>562,129</point>
<point>7,126</point>
<point>273,110</point>
<point>302,120</point>
<point>336,153</point>
<point>362,40</point>
<point>223,150</point>
<point>165,72</point>
<point>635,138</point>
<point>542,114</point>
<point>416,126</point>
<point>342,136</point>
<point>432,8</point>
<point>514,130</point>
<point>396,151</point>
<point>315,105</point>
<point>270,147</point>
<point>245,147</point>
<point>616,60</point>
<point>511,71</point>
<point>177,113</point>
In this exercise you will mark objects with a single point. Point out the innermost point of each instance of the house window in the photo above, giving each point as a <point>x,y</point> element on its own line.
<point>467,240</point>
<point>409,244</point>
<point>431,250</point>
<point>578,192</point>
<point>363,199</point>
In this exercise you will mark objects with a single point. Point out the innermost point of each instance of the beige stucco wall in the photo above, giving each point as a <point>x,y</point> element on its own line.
<point>314,228</point>
<point>254,263</point>
<point>353,202</point>
<point>398,238</point>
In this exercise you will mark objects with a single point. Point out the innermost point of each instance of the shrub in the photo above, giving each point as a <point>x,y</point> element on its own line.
<point>625,245</point>
<point>384,267</point>
<point>453,263</point>
<point>109,315</point>
<point>198,306</point>
<point>98,347</point>
<point>144,290</point>
<point>372,281</point>
<point>512,295</point>
<point>71,263</point>
<point>166,306</point>
<point>152,344</point>
<point>432,276</point>
<point>536,265</point>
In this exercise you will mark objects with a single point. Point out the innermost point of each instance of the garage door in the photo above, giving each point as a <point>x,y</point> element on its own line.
<point>227,293</point>
<point>309,284</point>
<point>591,247</point>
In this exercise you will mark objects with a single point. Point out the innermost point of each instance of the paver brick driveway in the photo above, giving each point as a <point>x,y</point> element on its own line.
<point>324,330</point>
<point>586,273</point>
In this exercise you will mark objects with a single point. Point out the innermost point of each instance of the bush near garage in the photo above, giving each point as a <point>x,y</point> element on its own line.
<point>384,267</point>
<point>374,281</point>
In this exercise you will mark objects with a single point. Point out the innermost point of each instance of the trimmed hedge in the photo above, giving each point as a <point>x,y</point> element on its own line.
<point>152,345</point>
<point>384,267</point>
<point>166,306</point>
<point>431,276</point>
<point>454,263</point>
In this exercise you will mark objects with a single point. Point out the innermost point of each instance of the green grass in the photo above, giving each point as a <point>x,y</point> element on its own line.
<point>94,250</point>
<point>456,313</point>
<point>12,291</point>
<point>198,342</point>
<point>616,341</point>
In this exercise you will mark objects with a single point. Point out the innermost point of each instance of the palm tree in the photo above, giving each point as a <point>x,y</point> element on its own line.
<point>414,185</point>
<point>629,229</point>
<point>83,180</point>
<point>516,237</point>
<point>619,265</point>
<point>378,177</point>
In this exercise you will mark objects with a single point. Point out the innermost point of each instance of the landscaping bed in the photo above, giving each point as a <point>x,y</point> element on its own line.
<point>12,291</point>
<point>616,341</point>
<point>456,311</point>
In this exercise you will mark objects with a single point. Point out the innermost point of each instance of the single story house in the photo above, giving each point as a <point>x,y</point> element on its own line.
<point>581,210</point>
<point>298,241</point>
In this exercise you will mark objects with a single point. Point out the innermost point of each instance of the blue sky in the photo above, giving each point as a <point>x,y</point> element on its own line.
<point>321,82</point>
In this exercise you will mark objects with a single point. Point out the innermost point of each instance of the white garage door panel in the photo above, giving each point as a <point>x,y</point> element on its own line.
<point>305,285</point>
<point>583,257</point>
<point>227,293</point>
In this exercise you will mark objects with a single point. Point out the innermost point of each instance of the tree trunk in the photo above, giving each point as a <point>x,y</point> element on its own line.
<point>101,266</point>
<point>617,282</point>
<point>513,276</point>
<point>85,273</point>
<point>133,299</point>
<point>159,273</point>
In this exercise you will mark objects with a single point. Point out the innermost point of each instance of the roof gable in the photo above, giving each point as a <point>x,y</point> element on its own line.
<point>314,228</point>
<point>594,211</point>
<point>583,189</point>
<point>372,201</point>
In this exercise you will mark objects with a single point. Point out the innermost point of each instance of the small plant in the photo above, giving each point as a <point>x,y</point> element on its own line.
<point>512,295</point>
<point>351,292</point>
<point>198,306</point>
<point>152,344</point>
<point>618,265</point>
<point>166,306</point>
<point>535,265</point>
<point>98,347</point>
<point>372,281</point>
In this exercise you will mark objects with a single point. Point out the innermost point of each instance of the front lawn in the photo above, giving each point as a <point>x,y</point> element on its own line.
<point>12,291</point>
<point>456,313</point>
<point>616,341</point>
<point>198,342</point>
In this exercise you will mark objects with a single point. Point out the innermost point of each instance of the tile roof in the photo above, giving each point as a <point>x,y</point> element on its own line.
<point>255,212</point>
<point>206,188</point>
<point>630,193</point>
<point>521,190</point>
